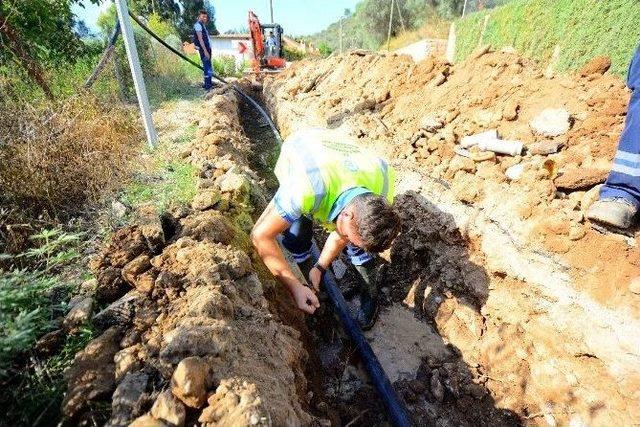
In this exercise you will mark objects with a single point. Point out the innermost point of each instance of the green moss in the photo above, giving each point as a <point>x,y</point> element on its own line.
<point>582,28</point>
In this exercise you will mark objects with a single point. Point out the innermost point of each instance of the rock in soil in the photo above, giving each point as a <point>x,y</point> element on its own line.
<point>130,399</point>
<point>50,342</point>
<point>90,376</point>
<point>551,122</point>
<point>79,314</point>
<point>120,313</point>
<point>189,381</point>
<point>147,421</point>
<point>598,65</point>
<point>580,178</point>
<point>169,409</point>
<point>206,199</point>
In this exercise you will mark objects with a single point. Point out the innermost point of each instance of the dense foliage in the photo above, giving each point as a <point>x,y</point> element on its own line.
<point>581,28</point>
<point>368,26</point>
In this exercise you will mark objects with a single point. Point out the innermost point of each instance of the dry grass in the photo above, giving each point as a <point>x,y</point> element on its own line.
<point>434,28</point>
<point>54,159</point>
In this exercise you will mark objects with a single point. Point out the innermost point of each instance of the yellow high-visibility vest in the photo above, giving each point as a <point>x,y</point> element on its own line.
<point>317,166</point>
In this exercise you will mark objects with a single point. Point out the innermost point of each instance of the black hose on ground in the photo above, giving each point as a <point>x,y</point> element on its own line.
<point>252,101</point>
<point>395,407</point>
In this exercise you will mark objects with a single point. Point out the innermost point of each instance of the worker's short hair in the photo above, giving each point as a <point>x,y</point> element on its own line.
<point>377,222</point>
<point>203,12</point>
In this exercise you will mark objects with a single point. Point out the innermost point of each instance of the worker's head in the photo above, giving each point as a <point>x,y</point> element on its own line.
<point>271,33</point>
<point>369,222</point>
<point>203,16</point>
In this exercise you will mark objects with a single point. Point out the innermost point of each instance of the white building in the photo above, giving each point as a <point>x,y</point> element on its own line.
<point>236,45</point>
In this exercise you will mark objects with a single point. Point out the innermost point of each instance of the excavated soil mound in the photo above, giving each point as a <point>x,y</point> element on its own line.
<point>191,327</point>
<point>495,254</point>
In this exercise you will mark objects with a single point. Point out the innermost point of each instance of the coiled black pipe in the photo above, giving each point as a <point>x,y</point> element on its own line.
<point>252,101</point>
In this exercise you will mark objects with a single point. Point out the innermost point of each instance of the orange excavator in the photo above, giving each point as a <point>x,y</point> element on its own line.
<point>267,45</point>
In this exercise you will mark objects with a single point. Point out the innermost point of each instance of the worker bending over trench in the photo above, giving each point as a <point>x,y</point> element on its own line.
<point>349,191</point>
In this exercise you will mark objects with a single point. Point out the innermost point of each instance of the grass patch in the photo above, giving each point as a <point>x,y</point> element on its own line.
<point>582,28</point>
<point>28,303</point>
<point>175,182</point>
<point>167,180</point>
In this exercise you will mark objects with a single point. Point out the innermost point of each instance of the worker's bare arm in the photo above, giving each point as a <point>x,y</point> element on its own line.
<point>332,248</point>
<point>206,54</point>
<point>263,236</point>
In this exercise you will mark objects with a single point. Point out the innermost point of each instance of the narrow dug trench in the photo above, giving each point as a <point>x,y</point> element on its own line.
<point>487,319</point>
<point>431,376</point>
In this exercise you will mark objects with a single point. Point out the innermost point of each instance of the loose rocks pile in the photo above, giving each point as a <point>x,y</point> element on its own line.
<point>189,335</point>
<point>496,253</point>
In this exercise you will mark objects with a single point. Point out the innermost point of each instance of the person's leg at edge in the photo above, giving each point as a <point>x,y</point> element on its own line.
<point>297,240</point>
<point>368,267</point>
<point>620,196</point>
<point>208,70</point>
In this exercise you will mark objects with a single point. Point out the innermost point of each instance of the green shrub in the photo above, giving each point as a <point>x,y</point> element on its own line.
<point>582,28</point>
<point>226,66</point>
<point>291,54</point>
<point>27,309</point>
<point>324,49</point>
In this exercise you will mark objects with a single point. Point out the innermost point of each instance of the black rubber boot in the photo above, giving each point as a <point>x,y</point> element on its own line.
<point>368,313</point>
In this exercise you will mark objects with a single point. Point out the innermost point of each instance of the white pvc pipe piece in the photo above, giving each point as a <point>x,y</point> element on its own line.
<point>471,140</point>
<point>502,146</point>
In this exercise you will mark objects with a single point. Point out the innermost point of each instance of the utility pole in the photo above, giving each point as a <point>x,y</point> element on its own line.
<point>390,22</point>
<point>341,34</point>
<point>271,8</point>
<point>136,72</point>
<point>346,14</point>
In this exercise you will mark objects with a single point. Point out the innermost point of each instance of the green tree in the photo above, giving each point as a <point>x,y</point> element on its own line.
<point>167,10</point>
<point>36,33</point>
<point>190,9</point>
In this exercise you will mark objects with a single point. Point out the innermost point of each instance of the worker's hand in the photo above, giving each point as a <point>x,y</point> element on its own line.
<point>315,277</point>
<point>306,300</point>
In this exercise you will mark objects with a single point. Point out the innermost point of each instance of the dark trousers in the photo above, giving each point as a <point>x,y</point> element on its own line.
<point>297,240</point>
<point>208,69</point>
<point>624,178</point>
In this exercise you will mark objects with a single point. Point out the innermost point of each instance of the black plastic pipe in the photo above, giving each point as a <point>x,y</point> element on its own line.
<point>395,407</point>
<point>252,101</point>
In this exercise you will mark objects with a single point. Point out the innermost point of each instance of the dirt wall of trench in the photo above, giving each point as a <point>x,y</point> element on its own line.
<point>195,329</point>
<point>539,303</point>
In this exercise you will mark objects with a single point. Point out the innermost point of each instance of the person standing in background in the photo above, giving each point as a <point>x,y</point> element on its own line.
<point>202,42</point>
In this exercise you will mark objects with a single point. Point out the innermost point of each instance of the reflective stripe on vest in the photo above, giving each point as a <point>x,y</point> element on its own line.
<point>305,156</point>
<point>385,178</point>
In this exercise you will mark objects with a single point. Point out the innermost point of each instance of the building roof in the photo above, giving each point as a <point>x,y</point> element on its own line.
<point>232,36</point>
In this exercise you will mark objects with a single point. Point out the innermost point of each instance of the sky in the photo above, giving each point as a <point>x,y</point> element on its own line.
<point>297,17</point>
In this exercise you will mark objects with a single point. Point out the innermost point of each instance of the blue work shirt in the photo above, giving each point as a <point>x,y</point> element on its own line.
<point>289,209</point>
<point>198,27</point>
